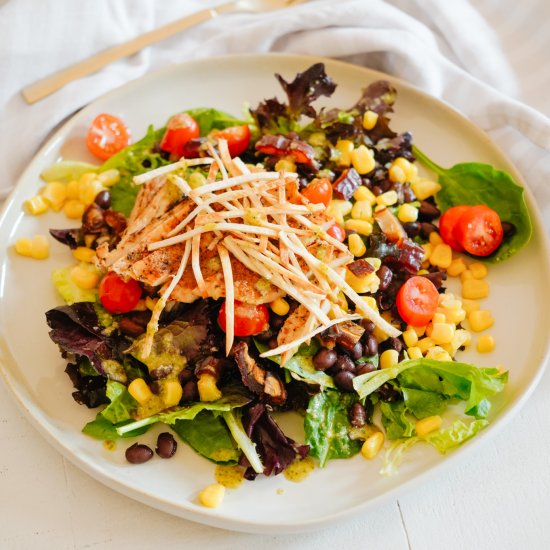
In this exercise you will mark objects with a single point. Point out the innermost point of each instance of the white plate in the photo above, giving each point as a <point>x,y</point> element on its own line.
<point>33,368</point>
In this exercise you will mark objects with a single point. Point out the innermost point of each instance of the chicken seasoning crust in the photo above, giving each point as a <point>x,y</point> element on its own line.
<point>269,265</point>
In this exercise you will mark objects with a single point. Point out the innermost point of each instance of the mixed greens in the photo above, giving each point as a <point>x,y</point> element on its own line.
<point>105,351</point>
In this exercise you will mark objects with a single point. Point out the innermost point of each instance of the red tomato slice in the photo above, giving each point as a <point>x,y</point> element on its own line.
<point>249,319</point>
<point>237,137</point>
<point>417,301</point>
<point>479,230</point>
<point>448,223</point>
<point>319,191</point>
<point>180,129</point>
<point>337,232</point>
<point>117,295</point>
<point>107,136</point>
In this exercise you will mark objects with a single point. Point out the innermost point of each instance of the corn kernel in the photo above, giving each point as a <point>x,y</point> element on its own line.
<point>363,193</point>
<point>23,246</point>
<point>375,262</point>
<point>337,209</point>
<point>425,344</point>
<point>396,174</point>
<point>442,333</point>
<point>362,160</point>
<point>345,147</point>
<point>74,209</point>
<point>361,285</point>
<point>55,194</point>
<point>456,267</point>
<point>150,303</point>
<point>424,188</point>
<point>90,190</point>
<point>84,254</point>
<point>439,354</point>
<point>109,177</point>
<point>286,164</point>
<point>317,139</point>
<point>427,425</point>
<point>36,205</point>
<point>212,496</point>
<point>475,289</point>
<point>435,238</point>
<point>171,392</point>
<point>197,179</point>
<point>485,344</point>
<point>420,331</point>
<point>414,352</point>
<point>441,256</point>
<point>389,358</point>
<point>387,199</point>
<point>40,247</point>
<point>208,390</point>
<point>362,227</point>
<point>479,270</point>
<point>342,301</point>
<point>86,178</point>
<point>410,169</point>
<point>85,276</point>
<point>371,302</point>
<point>410,337</point>
<point>280,306</point>
<point>73,190</point>
<point>356,245</point>
<point>470,305</point>
<point>480,320</point>
<point>372,445</point>
<point>362,210</point>
<point>370,118</point>
<point>140,391</point>
<point>407,213</point>
<point>438,317</point>
<point>427,251</point>
<point>453,315</point>
<point>89,240</point>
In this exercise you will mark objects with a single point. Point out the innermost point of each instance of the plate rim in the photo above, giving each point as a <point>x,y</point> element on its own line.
<point>212,518</point>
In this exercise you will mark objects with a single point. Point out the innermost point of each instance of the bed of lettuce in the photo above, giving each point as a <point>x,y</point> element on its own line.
<point>237,424</point>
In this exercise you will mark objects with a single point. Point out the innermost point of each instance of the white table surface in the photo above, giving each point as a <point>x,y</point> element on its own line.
<point>496,498</point>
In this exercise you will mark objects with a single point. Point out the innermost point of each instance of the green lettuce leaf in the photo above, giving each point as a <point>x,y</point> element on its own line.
<point>208,435</point>
<point>68,289</point>
<point>67,170</point>
<point>443,440</point>
<point>211,119</point>
<point>395,420</point>
<point>327,426</point>
<point>474,183</point>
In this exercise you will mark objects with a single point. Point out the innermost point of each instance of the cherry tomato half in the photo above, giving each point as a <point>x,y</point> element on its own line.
<point>318,191</point>
<point>336,231</point>
<point>107,136</point>
<point>180,129</point>
<point>249,319</point>
<point>448,223</point>
<point>237,137</point>
<point>479,230</point>
<point>117,295</point>
<point>417,301</point>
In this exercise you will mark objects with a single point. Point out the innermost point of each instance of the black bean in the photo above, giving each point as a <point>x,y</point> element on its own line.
<point>276,321</point>
<point>103,199</point>
<point>508,229</point>
<point>412,229</point>
<point>385,302</point>
<point>426,228</point>
<point>272,343</point>
<point>189,391</point>
<point>344,380</point>
<point>371,346</point>
<point>369,326</point>
<point>357,415</point>
<point>138,453</point>
<point>344,362</point>
<point>356,351</point>
<point>166,445</point>
<point>363,368</point>
<point>385,275</point>
<point>394,343</point>
<point>408,194</point>
<point>265,336</point>
<point>324,359</point>
<point>376,190</point>
<point>428,211</point>
<point>185,376</point>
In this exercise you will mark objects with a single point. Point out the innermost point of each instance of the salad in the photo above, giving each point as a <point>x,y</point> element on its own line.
<point>232,269</point>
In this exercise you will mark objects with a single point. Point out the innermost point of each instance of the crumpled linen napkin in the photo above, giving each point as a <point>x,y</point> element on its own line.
<point>446,49</point>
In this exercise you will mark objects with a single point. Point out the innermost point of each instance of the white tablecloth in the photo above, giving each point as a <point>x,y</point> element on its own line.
<point>500,499</point>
